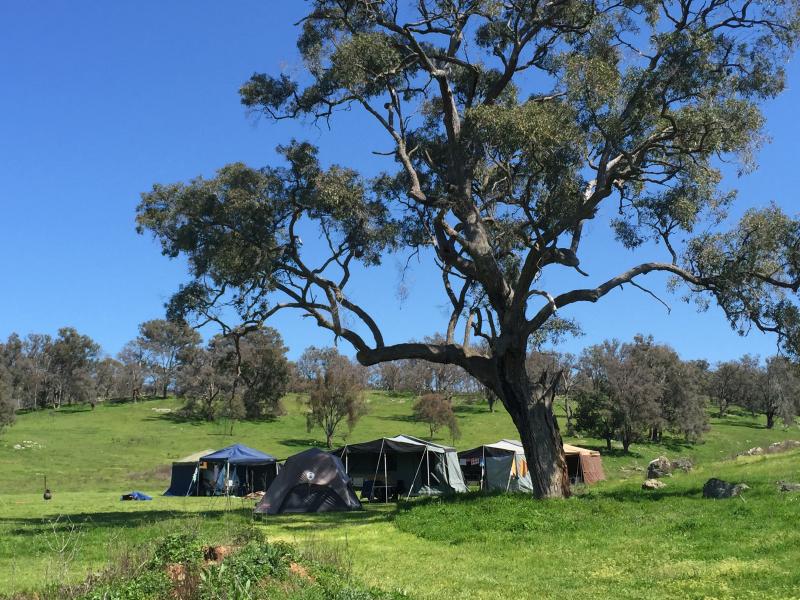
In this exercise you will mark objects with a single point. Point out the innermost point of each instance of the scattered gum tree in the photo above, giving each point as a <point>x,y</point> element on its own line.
<point>512,125</point>
<point>163,342</point>
<point>624,390</point>
<point>436,411</point>
<point>335,391</point>
<point>779,391</point>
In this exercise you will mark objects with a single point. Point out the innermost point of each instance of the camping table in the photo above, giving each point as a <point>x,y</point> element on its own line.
<point>387,490</point>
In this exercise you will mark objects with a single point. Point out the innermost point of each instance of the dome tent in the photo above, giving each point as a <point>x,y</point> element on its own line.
<point>309,482</point>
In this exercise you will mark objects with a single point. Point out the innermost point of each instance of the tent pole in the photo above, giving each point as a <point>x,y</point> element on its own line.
<point>428,464</point>
<point>385,482</point>
<point>483,467</point>
<point>377,466</point>
<point>419,466</point>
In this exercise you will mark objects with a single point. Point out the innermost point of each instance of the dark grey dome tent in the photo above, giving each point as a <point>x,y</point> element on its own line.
<point>183,481</point>
<point>402,466</point>
<point>310,482</point>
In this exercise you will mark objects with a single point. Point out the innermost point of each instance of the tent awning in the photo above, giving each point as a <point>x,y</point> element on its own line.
<point>239,454</point>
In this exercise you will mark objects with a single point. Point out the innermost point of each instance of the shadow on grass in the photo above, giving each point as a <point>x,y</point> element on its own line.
<point>738,423</point>
<point>112,520</point>
<point>322,521</point>
<point>399,418</point>
<point>472,409</point>
<point>302,443</point>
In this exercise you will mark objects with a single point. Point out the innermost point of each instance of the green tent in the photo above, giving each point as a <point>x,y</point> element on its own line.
<point>401,466</point>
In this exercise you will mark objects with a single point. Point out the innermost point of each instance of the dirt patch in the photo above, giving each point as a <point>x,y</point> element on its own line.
<point>176,573</point>
<point>300,571</point>
<point>216,554</point>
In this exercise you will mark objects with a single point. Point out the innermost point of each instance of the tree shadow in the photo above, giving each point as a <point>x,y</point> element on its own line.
<point>471,409</point>
<point>635,495</point>
<point>738,423</point>
<point>399,418</point>
<point>322,521</point>
<point>302,443</point>
<point>30,526</point>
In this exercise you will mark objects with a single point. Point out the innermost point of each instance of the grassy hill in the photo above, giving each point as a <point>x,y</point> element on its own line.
<point>613,540</point>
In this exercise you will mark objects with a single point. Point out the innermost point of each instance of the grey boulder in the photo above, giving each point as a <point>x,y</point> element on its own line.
<point>718,489</point>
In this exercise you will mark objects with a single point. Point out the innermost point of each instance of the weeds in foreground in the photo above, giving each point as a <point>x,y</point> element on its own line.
<point>183,566</point>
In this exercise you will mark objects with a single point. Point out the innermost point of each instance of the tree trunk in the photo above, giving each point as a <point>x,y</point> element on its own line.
<point>770,419</point>
<point>608,442</point>
<point>531,410</point>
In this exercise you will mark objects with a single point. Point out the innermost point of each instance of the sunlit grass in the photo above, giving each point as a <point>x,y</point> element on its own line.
<point>613,540</point>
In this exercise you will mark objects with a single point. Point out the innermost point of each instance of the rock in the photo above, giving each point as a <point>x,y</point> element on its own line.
<point>783,446</point>
<point>659,467</point>
<point>684,464</point>
<point>753,451</point>
<point>653,484</point>
<point>718,489</point>
<point>785,486</point>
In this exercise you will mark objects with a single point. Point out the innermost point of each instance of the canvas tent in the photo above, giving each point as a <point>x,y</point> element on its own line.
<point>184,475</point>
<point>584,465</point>
<point>401,466</point>
<point>499,466</point>
<point>502,466</point>
<point>311,481</point>
<point>236,470</point>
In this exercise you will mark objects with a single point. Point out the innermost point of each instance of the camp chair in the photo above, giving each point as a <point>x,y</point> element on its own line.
<point>366,489</point>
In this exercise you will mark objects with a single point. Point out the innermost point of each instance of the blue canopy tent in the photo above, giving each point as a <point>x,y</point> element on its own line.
<point>236,470</point>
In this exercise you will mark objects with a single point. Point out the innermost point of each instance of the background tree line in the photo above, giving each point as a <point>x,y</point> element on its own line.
<point>626,392</point>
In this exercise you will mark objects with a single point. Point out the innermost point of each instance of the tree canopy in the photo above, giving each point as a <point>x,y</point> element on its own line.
<point>512,125</point>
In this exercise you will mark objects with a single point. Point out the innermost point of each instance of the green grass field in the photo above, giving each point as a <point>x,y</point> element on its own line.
<point>612,540</point>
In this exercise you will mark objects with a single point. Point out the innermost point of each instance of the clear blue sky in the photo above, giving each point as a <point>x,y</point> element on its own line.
<point>102,99</point>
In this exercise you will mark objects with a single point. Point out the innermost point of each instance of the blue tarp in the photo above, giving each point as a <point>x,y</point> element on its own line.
<point>136,496</point>
<point>239,454</point>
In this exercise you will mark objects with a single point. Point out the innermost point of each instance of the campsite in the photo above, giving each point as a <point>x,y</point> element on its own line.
<point>693,547</point>
<point>399,300</point>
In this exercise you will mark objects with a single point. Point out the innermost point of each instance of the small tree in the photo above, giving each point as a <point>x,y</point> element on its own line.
<point>336,391</point>
<point>437,411</point>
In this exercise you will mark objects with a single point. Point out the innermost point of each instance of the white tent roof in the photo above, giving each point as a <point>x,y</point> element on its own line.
<point>193,458</point>
<point>510,445</point>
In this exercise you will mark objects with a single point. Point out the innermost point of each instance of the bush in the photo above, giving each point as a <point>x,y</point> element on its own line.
<point>178,548</point>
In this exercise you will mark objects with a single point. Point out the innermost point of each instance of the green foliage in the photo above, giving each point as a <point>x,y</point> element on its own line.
<point>660,544</point>
<point>148,585</point>
<point>182,548</point>
<point>238,576</point>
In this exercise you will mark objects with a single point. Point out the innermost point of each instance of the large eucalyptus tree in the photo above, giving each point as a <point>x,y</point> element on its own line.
<point>512,123</point>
